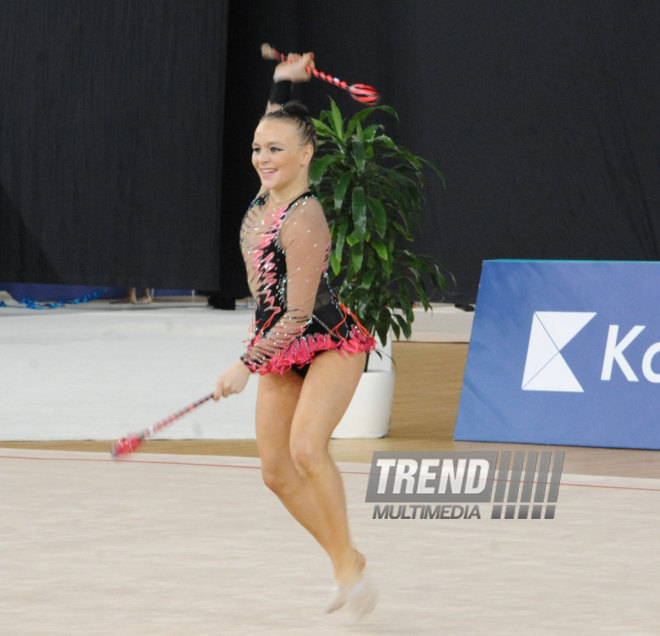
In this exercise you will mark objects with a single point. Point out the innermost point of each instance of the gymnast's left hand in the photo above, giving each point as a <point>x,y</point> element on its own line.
<point>232,380</point>
<point>294,68</point>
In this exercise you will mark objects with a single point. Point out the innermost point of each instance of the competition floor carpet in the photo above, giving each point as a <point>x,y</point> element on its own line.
<point>174,544</point>
<point>184,539</point>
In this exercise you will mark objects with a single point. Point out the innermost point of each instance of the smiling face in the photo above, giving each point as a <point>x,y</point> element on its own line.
<point>279,156</point>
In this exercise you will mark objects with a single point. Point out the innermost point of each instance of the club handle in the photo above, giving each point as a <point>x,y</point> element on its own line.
<point>159,426</point>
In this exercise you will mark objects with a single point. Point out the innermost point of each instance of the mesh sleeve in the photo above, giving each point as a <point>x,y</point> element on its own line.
<point>305,240</point>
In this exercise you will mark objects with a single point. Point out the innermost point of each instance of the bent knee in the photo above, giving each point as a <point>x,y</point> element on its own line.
<point>280,476</point>
<point>273,476</point>
<point>307,455</point>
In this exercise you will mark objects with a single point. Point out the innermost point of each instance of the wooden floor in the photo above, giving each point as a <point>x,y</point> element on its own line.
<point>426,398</point>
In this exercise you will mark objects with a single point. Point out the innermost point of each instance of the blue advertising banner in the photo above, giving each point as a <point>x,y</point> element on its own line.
<point>564,352</point>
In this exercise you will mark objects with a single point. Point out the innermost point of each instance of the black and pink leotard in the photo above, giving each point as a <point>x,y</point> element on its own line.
<point>298,315</point>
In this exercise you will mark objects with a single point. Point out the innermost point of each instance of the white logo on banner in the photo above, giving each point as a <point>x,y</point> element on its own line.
<point>545,368</point>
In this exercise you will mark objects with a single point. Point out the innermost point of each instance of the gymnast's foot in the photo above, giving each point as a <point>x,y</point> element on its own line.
<point>355,590</point>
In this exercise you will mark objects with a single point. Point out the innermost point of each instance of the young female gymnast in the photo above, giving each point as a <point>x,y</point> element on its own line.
<point>308,349</point>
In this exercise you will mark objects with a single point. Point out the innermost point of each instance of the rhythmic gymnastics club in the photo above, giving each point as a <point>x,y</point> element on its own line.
<point>359,92</point>
<point>131,443</point>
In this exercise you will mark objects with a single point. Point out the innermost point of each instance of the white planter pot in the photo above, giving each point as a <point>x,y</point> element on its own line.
<point>370,410</point>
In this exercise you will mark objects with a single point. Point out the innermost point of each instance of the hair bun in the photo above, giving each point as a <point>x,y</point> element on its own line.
<point>296,109</point>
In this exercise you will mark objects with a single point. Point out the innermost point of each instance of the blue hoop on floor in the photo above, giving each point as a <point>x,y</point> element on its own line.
<point>37,305</point>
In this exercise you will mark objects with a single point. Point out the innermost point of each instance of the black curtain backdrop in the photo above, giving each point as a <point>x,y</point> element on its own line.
<point>542,116</point>
<point>126,128</point>
<point>111,117</point>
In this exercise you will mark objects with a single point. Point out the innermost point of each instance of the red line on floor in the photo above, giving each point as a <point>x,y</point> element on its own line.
<point>143,460</point>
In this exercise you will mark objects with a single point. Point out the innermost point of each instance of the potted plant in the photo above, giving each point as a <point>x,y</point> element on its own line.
<point>371,189</point>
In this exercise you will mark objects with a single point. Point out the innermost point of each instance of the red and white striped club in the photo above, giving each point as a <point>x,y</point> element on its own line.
<point>359,92</point>
<point>130,444</point>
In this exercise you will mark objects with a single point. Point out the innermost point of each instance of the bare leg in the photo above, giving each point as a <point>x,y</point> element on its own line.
<point>325,396</point>
<point>295,420</point>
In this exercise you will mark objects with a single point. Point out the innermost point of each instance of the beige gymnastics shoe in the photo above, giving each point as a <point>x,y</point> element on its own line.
<point>359,595</point>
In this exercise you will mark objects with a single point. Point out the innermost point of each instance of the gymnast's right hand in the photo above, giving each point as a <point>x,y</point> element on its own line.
<point>232,380</point>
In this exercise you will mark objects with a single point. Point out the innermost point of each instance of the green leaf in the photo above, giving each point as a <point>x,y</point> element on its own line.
<point>379,215</point>
<point>368,278</point>
<point>340,189</point>
<point>335,263</point>
<point>357,118</point>
<point>400,229</point>
<point>386,141</point>
<point>323,130</point>
<point>359,212</point>
<point>382,330</point>
<point>357,255</point>
<point>359,154</point>
<point>381,249</point>
<point>389,110</point>
<point>339,237</point>
<point>370,132</point>
<point>319,166</point>
<point>435,169</point>
<point>353,239</point>
<point>405,325</point>
<point>404,298</point>
<point>337,120</point>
